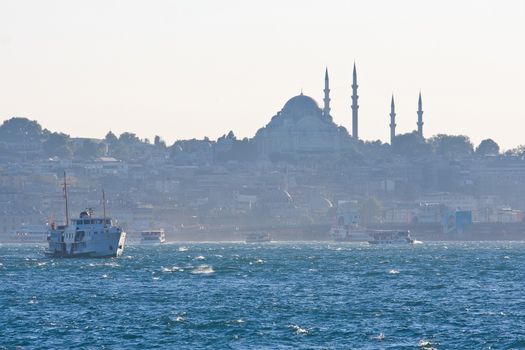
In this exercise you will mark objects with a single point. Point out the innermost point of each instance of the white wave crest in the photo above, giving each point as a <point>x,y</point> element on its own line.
<point>171,269</point>
<point>298,330</point>
<point>380,337</point>
<point>426,344</point>
<point>203,270</point>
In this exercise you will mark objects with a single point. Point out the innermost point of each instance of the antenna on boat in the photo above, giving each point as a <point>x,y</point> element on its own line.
<point>104,205</point>
<point>65,197</point>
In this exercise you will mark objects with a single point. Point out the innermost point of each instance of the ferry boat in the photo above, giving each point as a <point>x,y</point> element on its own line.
<point>391,237</point>
<point>153,236</point>
<point>87,236</point>
<point>258,238</point>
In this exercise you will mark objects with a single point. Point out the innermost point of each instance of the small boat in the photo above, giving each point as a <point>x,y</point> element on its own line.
<point>258,238</point>
<point>391,237</point>
<point>153,236</point>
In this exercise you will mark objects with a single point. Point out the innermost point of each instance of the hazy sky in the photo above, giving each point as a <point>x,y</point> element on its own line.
<point>194,68</point>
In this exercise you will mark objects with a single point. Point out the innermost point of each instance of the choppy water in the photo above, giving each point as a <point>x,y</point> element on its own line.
<point>272,296</point>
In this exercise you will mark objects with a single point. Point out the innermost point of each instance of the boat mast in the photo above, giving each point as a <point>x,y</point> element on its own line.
<point>65,197</point>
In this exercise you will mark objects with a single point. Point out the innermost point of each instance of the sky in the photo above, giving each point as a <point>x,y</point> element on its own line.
<point>195,68</point>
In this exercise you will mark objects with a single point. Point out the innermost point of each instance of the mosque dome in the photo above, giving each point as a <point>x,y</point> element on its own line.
<point>301,104</point>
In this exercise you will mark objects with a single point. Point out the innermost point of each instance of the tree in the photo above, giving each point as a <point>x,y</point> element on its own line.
<point>20,129</point>
<point>451,145</point>
<point>410,144</point>
<point>376,150</point>
<point>516,152</point>
<point>90,150</point>
<point>241,150</point>
<point>487,147</point>
<point>111,139</point>
<point>229,136</point>
<point>159,142</point>
<point>128,138</point>
<point>58,145</point>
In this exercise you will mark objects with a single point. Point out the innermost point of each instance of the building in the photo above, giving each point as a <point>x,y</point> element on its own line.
<point>302,126</point>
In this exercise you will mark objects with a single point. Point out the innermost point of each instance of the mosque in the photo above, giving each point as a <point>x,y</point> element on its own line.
<point>301,126</point>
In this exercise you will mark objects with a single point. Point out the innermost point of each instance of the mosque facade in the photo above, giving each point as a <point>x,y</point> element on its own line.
<point>302,126</point>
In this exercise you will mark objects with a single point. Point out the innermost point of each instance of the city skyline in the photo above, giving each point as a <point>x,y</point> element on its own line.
<point>195,70</point>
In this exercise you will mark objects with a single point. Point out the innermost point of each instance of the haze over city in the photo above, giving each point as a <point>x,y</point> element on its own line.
<point>227,174</point>
<point>193,69</point>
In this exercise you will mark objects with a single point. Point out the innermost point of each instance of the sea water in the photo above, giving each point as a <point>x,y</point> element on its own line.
<point>267,296</point>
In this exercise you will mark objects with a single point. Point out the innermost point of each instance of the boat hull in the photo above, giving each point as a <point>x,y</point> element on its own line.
<point>79,255</point>
<point>106,246</point>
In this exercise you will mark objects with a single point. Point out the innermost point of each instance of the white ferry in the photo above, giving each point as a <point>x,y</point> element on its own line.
<point>258,238</point>
<point>153,236</point>
<point>87,236</point>
<point>391,237</point>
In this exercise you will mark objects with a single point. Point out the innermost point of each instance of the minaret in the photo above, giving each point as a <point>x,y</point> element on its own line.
<point>326,109</point>
<point>420,116</point>
<point>355,106</point>
<point>392,121</point>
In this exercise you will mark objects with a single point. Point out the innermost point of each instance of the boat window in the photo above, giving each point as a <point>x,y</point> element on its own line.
<point>108,221</point>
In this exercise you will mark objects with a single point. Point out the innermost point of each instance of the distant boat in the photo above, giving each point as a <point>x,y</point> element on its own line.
<point>391,237</point>
<point>258,238</point>
<point>153,236</point>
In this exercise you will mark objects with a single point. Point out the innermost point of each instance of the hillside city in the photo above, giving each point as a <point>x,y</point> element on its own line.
<point>298,176</point>
<point>194,186</point>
